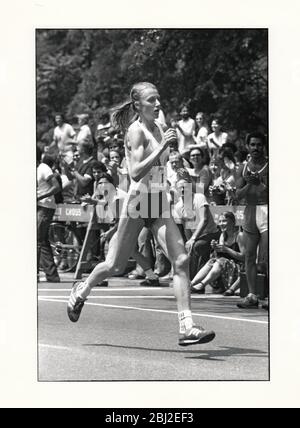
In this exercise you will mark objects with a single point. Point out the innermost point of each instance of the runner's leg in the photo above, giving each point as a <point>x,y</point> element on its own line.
<point>121,246</point>
<point>169,238</point>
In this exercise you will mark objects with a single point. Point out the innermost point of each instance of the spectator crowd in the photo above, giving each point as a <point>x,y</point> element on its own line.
<point>207,166</point>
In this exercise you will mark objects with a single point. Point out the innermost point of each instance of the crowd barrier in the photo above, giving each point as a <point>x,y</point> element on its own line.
<point>91,215</point>
<point>83,214</point>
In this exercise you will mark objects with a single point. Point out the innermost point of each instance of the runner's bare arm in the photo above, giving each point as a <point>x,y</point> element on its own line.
<point>140,166</point>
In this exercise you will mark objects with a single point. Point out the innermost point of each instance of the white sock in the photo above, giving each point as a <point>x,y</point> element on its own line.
<point>150,274</point>
<point>185,320</point>
<point>83,290</point>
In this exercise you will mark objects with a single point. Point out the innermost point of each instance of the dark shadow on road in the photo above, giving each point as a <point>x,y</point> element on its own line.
<point>206,354</point>
<point>229,351</point>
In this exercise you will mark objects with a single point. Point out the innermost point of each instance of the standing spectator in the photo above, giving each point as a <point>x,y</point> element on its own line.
<point>200,173</point>
<point>217,138</point>
<point>63,137</point>
<point>103,128</point>
<point>54,165</point>
<point>192,211</point>
<point>252,187</point>
<point>47,187</point>
<point>102,136</point>
<point>201,130</point>
<point>83,173</point>
<point>223,188</point>
<point>235,139</point>
<point>185,130</point>
<point>85,133</point>
<point>113,165</point>
<point>68,179</point>
<point>175,162</point>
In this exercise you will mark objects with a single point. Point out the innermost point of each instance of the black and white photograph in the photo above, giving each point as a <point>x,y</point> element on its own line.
<point>152,204</point>
<point>149,207</point>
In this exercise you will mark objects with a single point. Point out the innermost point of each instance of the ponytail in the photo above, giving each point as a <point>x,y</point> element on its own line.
<point>123,116</point>
<point>126,113</point>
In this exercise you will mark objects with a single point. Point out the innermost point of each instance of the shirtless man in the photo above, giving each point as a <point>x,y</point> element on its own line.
<point>252,188</point>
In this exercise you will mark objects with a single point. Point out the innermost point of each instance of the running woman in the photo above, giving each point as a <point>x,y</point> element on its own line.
<point>146,147</point>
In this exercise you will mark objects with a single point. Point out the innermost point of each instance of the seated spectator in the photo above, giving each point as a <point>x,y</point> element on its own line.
<point>192,211</point>
<point>224,264</point>
<point>200,173</point>
<point>217,138</point>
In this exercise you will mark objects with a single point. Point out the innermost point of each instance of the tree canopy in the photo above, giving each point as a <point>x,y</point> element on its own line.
<point>222,71</point>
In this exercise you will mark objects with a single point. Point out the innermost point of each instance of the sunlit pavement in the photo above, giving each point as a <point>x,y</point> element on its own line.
<point>129,332</point>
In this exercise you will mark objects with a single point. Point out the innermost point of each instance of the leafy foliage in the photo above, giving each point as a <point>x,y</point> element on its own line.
<point>221,71</point>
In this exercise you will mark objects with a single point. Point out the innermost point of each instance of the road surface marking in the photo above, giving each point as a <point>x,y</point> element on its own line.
<point>64,348</point>
<point>158,310</point>
<point>130,297</point>
<point>106,289</point>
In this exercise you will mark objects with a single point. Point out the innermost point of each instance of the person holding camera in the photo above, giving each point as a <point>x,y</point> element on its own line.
<point>227,253</point>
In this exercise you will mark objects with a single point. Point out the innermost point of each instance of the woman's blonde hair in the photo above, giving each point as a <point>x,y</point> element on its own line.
<point>126,113</point>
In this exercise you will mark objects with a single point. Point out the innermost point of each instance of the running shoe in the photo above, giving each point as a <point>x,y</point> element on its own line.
<point>199,289</point>
<point>228,292</point>
<point>248,303</point>
<point>195,335</point>
<point>150,282</point>
<point>75,303</point>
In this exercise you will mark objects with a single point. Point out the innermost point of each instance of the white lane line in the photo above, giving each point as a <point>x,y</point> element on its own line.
<point>63,348</point>
<point>106,289</point>
<point>159,310</point>
<point>137,296</point>
<point>113,297</point>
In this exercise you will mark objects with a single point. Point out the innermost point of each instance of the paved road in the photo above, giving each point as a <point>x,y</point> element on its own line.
<point>127,332</point>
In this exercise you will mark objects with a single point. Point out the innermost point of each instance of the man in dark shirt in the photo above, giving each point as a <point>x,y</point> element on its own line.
<point>83,172</point>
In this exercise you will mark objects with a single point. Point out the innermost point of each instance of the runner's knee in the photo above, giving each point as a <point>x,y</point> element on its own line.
<point>115,268</point>
<point>181,263</point>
